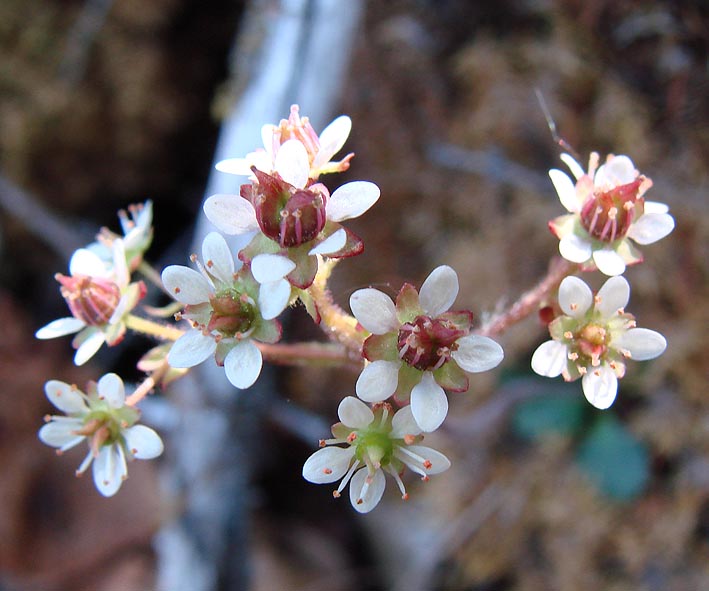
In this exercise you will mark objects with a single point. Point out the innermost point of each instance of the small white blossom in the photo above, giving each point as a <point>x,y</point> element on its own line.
<point>228,311</point>
<point>418,347</point>
<point>607,214</point>
<point>102,419</point>
<point>237,215</point>
<point>377,442</point>
<point>99,296</point>
<point>137,226</point>
<point>593,339</point>
<point>317,150</point>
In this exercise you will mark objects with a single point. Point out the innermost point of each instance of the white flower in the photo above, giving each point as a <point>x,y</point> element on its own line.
<point>607,212</point>
<point>228,311</point>
<point>99,297</point>
<point>593,339</point>
<point>137,226</point>
<point>237,214</point>
<point>102,419</point>
<point>317,149</point>
<point>376,443</point>
<point>418,347</point>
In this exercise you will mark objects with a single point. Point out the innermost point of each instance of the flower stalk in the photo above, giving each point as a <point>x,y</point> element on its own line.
<point>151,328</point>
<point>531,300</point>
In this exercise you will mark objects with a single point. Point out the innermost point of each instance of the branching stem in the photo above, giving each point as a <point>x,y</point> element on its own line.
<point>530,300</point>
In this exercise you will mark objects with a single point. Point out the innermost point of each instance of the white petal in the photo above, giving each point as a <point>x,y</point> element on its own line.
<point>217,257</point>
<point>351,200</point>
<point>61,434</point>
<point>574,248</point>
<point>273,298</point>
<point>404,424</point>
<point>143,442</point>
<point>429,403</point>
<point>574,166</point>
<point>609,262</point>
<point>231,214</point>
<point>109,470</point>
<point>186,285</point>
<point>86,262</point>
<point>191,349</point>
<point>550,359</point>
<point>111,389</point>
<point>331,244</point>
<point>619,170</point>
<point>439,291</point>
<point>243,364</point>
<point>565,188</point>
<point>600,386</point>
<point>121,274</point>
<point>65,397</point>
<point>575,297</point>
<point>270,267</point>
<point>60,328</point>
<point>332,138</point>
<point>374,310</point>
<point>642,343</point>
<point>89,346</point>
<point>328,464</point>
<point>655,207</point>
<point>613,295</point>
<point>240,166</point>
<point>378,380</point>
<point>354,413</point>
<point>365,496</point>
<point>439,462</point>
<point>292,163</point>
<point>651,227</point>
<point>476,353</point>
<point>267,131</point>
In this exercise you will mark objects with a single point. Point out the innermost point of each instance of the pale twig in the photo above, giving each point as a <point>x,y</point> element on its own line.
<point>39,220</point>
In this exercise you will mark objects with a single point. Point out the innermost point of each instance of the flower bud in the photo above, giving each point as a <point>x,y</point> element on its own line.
<point>285,214</point>
<point>232,313</point>
<point>426,343</point>
<point>92,300</point>
<point>607,215</point>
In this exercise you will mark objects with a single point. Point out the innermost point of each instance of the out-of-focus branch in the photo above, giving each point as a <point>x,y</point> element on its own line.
<point>38,219</point>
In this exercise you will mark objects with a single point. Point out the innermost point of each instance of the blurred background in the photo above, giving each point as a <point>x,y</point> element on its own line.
<point>104,103</point>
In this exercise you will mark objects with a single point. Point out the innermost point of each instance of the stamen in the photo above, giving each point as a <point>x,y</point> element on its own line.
<point>346,479</point>
<point>399,482</point>
<point>568,335</point>
<point>365,487</point>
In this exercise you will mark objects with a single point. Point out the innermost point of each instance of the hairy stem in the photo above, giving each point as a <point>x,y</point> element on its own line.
<point>530,300</point>
<point>337,324</point>
<point>151,274</point>
<point>312,354</point>
<point>151,328</point>
<point>141,391</point>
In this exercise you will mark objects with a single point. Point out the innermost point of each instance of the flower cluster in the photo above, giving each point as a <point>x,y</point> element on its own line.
<point>418,347</point>
<point>100,296</point>
<point>102,418</point>
<point>412,349</point>
<point>593,338</point>
<point>608,213</point>
<point>376,441</point>
<point>227,311</point>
